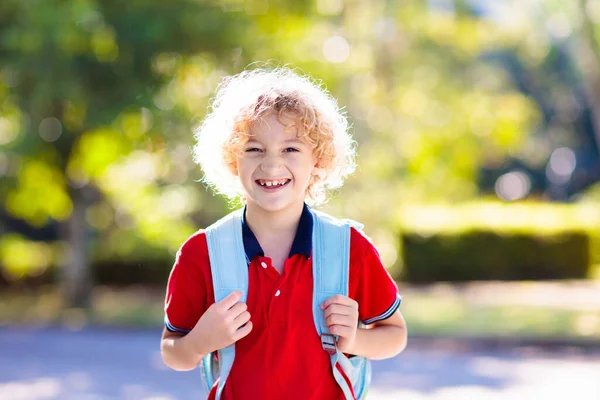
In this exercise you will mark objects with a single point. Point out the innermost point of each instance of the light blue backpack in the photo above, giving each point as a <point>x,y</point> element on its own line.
<point>330,255</point>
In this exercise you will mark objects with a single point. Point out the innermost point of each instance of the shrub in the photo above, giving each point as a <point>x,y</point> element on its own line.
<point>498,241</point>
<point>482,255</point>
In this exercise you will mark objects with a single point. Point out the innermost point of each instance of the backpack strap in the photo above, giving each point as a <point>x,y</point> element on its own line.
<point>229,269</point>
<point>331,260</point>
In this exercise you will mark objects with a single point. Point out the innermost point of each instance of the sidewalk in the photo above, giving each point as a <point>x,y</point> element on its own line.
<point>113,364</point>
<point>521,345</point>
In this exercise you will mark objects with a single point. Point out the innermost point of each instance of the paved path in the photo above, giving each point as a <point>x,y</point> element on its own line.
<point>104,364</point>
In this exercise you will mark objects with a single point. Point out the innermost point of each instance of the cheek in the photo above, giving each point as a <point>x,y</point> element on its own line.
<point>306,170</point>
<point>246,167</point>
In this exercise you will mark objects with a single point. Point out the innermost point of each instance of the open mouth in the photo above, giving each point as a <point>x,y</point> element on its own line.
<point>272,183</point>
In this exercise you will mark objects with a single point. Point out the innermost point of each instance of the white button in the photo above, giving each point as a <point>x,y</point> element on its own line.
<point>263,264</point>
<point>278,293</point>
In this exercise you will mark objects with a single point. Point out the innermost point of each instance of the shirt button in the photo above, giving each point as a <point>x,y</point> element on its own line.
<point>278,293</point>
<point>263,264</point>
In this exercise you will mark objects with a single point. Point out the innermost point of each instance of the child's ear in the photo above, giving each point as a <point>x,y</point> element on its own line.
<point>233,169</point>
<point>318,172</point>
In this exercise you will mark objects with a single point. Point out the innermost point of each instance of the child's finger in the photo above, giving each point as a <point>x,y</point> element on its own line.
<point>337,309</point>
<point>340,330</point>
<point>231,299</point>
<point>243,331</point>
<point>333,309</point>
<point>237,309</point>
<point>337,299</point>
<point>242,319</point>
<point>338,319</point>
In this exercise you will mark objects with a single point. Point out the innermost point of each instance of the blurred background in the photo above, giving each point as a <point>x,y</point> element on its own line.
<point>478,130</point>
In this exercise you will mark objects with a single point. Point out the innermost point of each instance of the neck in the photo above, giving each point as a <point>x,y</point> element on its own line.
<point>273,223</point>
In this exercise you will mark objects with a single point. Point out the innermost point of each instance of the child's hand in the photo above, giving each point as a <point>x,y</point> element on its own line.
<point>223,324</point>
<point>341,318</point>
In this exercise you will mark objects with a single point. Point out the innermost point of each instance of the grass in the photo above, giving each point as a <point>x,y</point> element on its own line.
<point>441,318</point>
<point>131,308</point>
<point>456,313</point>
<point>431,311</point>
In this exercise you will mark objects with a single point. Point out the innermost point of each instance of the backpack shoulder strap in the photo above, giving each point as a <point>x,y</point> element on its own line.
<point>229,269</point>
<point>331,267</point>
<point>330,261</point>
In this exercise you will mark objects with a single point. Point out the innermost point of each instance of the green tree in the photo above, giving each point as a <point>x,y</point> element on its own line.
<point>86,120</point>
<point>428,109</point>
<point>589,53</point>
<point>97,99</point>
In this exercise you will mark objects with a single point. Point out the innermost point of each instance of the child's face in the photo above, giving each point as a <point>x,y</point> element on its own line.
<point>275,165</point>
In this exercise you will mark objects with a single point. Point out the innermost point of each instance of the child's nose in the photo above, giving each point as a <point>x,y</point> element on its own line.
<point>271,163</point>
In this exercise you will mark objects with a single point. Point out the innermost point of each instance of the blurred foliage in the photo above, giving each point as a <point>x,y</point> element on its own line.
<point>439,311</point>
<point>498,241</point>
<point>481,255</point>
<point>23,258</point>
<point>436,310</point>
<point>98,99</point>
<point>472,241</point>
<point>499,216</point>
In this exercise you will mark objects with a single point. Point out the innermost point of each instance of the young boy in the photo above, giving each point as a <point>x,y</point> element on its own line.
<point>279,141</point>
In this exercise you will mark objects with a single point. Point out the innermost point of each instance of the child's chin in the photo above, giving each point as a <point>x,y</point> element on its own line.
<point>275,205</point>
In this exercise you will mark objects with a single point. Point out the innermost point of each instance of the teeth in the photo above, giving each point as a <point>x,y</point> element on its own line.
<point>280,182</point>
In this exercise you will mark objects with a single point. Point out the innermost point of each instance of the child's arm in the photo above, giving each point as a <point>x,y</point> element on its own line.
<point>382,339</point>
<point>223,324</point>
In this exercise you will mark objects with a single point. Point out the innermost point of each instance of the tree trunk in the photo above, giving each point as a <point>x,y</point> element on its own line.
<point>588,55</point>
<point>76,279</point>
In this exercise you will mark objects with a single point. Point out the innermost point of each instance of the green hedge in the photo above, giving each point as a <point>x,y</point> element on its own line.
<point>478,241</point>
<point>486,254</point>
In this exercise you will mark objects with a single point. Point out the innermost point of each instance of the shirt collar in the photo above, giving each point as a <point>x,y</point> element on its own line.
<point>302,243</point>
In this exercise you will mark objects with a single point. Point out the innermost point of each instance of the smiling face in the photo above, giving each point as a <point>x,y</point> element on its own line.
<point>275,166</point>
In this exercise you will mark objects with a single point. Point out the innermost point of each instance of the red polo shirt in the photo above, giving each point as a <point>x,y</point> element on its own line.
<point>282,357</point>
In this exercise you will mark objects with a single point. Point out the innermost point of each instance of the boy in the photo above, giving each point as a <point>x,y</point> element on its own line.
<point>279,141</point>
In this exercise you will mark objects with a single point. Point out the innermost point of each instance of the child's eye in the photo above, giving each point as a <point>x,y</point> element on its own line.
<point>252,149</point>
<point>291,150</point>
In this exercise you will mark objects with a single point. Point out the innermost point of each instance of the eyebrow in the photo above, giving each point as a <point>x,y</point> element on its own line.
<point>294,141</point>
<point>286,142</point>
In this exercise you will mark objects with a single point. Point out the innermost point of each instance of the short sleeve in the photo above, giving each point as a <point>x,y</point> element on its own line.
<point>187,297</point>
<point>371,286</point>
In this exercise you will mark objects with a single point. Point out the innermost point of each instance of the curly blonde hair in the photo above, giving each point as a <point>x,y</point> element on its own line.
<point>243,99</point>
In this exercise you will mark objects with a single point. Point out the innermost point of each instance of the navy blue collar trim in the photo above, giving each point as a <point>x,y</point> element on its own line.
<point>302,241</point>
